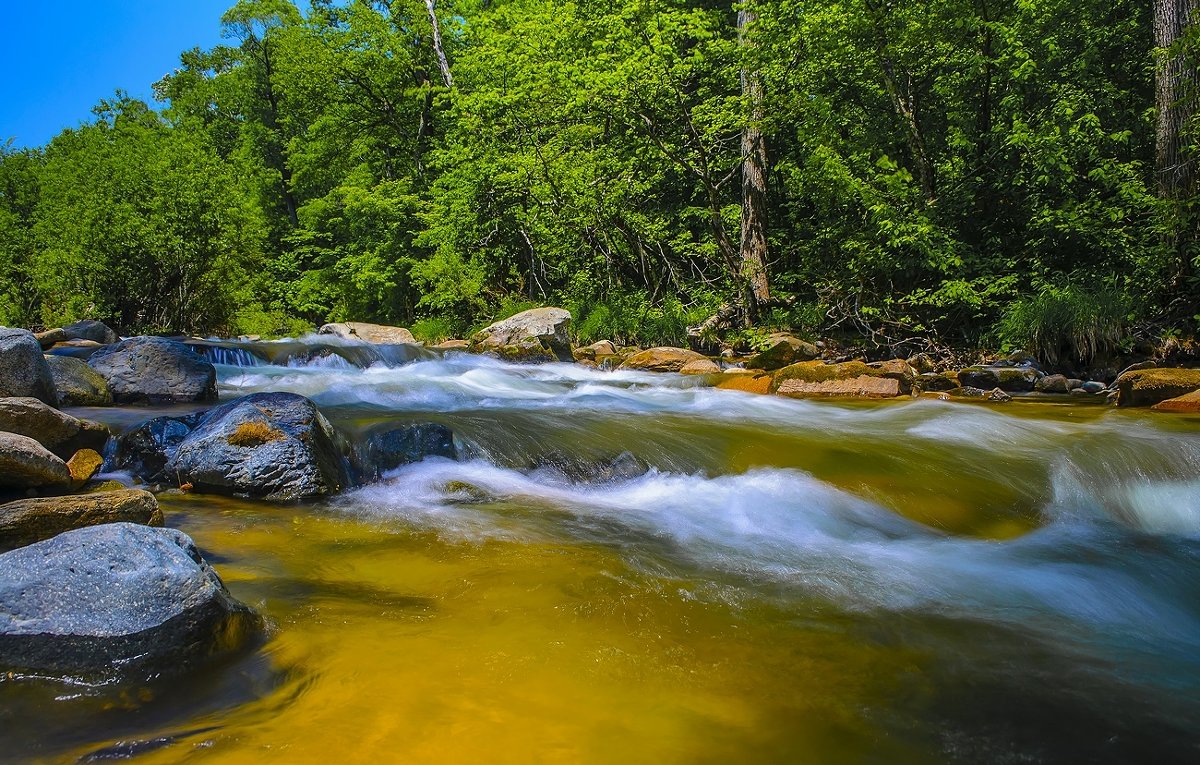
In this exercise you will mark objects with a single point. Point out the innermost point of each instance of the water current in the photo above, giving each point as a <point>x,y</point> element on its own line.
<point>628,567</point>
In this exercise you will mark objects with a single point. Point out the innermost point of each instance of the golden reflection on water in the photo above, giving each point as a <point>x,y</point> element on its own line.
<point>405,647</point>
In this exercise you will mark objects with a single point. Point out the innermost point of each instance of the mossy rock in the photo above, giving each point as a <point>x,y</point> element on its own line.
<point>1013,379</point>
<point>1146,387</point>
<point>819,372</point>
<point>749,383</point>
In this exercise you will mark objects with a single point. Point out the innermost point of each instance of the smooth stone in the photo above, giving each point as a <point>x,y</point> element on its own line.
<point>1053,384</point>
<point>700,367</point>
<point>662,359</point>
<point>59,432</point>
<point>155,370</point>
<point>1146,387</point>
<point>388,447</point>
<point>376,334</point>
<point>90,329</point>
<point>23,369</point>
<point>27,521</point>
<point>819,372</point>
<point>77,383</point>
<point>26,464</point>
<point>50,337</point>
<point>863,386</point>
<point>596,351</point>
<point>746,380</point>
<point>530,335</point>
<point>1093,387</point>
<point>451,345</point>
<point>84,464</point>
<point>114,599</point>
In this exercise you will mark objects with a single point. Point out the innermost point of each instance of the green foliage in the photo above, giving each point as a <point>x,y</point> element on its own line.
<point>1067,324</point>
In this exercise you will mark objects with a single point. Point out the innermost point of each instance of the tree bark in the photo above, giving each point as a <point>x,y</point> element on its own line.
<point>1176,83</point>
<point>443,64</point>
<point>753,251</point>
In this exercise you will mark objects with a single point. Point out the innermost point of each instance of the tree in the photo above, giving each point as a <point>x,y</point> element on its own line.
<point>1176,90</point>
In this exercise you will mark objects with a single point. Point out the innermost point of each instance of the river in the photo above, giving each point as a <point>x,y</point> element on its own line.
<point>628,567</point>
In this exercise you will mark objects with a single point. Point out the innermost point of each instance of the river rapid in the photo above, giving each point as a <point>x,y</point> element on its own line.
<point>629,567</point>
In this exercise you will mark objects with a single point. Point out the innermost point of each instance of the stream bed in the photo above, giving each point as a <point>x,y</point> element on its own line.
<point>629,567</point>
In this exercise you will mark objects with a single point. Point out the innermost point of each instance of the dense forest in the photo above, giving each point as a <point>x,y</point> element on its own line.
<point>964,172</point>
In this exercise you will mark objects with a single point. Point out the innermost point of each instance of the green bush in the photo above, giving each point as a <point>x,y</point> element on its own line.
<point>1066,324</point>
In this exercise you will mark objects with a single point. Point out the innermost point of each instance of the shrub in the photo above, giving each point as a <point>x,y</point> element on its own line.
<point>1065,324</point>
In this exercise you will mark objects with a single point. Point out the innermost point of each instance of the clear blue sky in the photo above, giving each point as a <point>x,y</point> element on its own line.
<point>57,59</point>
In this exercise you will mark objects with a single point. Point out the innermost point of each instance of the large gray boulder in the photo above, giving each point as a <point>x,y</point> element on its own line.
<point>23,368</point>
<point>26,464</point>
<point>90,329</point>
<point>155,370</point>
<point>273,445</point>
<point>121,596</point>
<point>27,521</point>
<point>77,383</point>
<point>147,449</point>
<point>59,432</point>
<point>369,333</point>
<point>539,334</point>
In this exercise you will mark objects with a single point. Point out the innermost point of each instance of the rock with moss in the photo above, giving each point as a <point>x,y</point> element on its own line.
<point>820,372</point>
<point>77,383</point>
<point>746,380</point>
<point>863,386</point>
<point>782,350</point>
<point>1009,379</point>
<point>534,335</point>
<point>936,381</point>
<point>23,369</point>
<point>662,359</point>
<point>27,521</point>
<point>1146,387</point>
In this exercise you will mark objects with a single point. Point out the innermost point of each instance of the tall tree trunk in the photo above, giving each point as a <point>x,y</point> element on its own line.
<point>1176,83</point>
<point>443,64</point>
<point>753,251</point>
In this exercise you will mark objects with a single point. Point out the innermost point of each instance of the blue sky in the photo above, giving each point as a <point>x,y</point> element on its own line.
<point>57,59</point>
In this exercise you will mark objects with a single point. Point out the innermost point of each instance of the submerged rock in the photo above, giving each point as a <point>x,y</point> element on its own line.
<point>585,469</point>
<point>116,597</point>
<point>146,450</point>
<point>273,445</point>
<point>23,368</point>
<point>77,383</point>
<point>388,447</point>
<point>155,370</point>
<point>662,359</point>
<point>59,432</point>
<point>26,464</point>
<point>539,334</point>
<point>379,334</point>
<point>27,521</point>
<point>1146,387</point>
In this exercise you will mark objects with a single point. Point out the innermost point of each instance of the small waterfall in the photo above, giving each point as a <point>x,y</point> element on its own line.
<point>232,356</point>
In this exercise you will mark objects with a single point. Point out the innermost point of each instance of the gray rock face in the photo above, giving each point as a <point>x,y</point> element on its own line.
<point>90,329</point>
<point>60,433</point>
<point>77,383</point>
<point>147,449</point>
<point>155,370</point>
<point>273,445</point>
<point>26,464</point>
<point>115,597</point>
<point>528,335</point>
<point>389,447</point>
<point>31,520</point>
<point>23,368</point>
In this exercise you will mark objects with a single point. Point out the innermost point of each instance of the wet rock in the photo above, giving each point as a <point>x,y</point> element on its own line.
<point>84,464</point>
<point>863,386</point>
<point>1187,404</point>
<point>967,392</point>
<point>77,383</point>
<point>272,445</point>
<point>700,367</point>
<point>115,598</point>
<point>27,521</point>
<point>388,447</point>
<point>936,381</point>
<point>378,334</point>
<point>1013,379</point>
<point>23,368</point>
<point>532,335</point>
<point>1093,387</point>
<point>820,372</point>
<point>155,370</point>
<point>782,350</point>
<point>1052,384</point>
<point>26,464</point>
<point>146,450</point>
<point>662,359</point>
<point>746,380</point>
<point>586,469</point>
<point>89,329</point>
<point>1146,387</point>
<point>998,396</point>
<point>60,433</point>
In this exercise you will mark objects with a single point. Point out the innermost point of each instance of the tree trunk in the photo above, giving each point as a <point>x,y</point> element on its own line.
<point>443,64</point>
<point>1176,85</point>
<point>753,251</point>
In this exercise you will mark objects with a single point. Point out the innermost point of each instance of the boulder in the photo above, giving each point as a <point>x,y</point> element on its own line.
<point>597,351</point>
<point>155,370</point>
<point>533,335</point>
<point>26,464</point>
<point>23,368</point>
<point>781,350</point>
<point>90,329</point>
<point>273,445</point>
<point>1187,404</point>
<point>60,433</point>
<point>388,447</point>
<point>936,381</point>
<point>864,386</point>
<point>820,372</point>
<point>146,450</point>
<point>77,383</point>
<point>1146,387</point>
<point>1093,387</point>
<point>31,520</point>
<point>1052,384</point>
<point>746,381</point>
<point>700,367</point>
<point>118,597</point>
<point>662,359</point>
<point>50,337</point>
<point>1015,379</point>
<point>377,334</point>
<point>84,464</point>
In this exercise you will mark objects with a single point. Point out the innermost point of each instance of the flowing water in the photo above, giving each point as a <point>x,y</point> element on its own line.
<point>626,567</point>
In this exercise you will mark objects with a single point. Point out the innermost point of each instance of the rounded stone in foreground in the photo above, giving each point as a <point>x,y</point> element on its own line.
<point>27,521</point>
<point>26,464</point>
<point>115,597</point>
